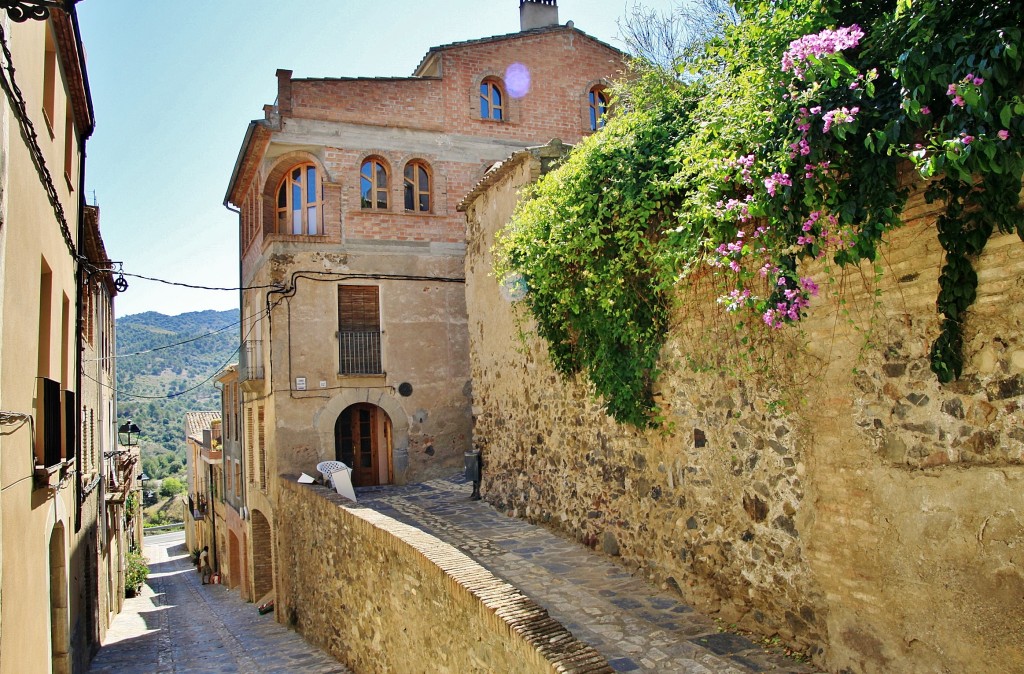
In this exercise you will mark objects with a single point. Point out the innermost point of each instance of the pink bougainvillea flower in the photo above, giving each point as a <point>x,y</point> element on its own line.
<point>958,101</point>
<point>925,110</point>
<point>1003,134</point>
<point>819,44</point>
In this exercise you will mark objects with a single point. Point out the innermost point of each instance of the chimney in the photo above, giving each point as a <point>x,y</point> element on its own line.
<point>537,14</point>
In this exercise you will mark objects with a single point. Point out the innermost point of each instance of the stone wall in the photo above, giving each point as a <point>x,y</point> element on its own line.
<point>382,596</point>
<point>834,494</point>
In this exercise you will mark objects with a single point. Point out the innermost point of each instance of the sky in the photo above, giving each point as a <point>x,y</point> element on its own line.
<point>176,82</point>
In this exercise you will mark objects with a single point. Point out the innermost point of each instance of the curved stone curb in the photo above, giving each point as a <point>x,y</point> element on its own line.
<point>527,626</point>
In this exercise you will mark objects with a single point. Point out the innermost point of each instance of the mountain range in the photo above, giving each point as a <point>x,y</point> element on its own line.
<point>166,367</point>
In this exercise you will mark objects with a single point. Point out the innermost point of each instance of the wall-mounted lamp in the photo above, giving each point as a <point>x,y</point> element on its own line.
<point>128,432</point>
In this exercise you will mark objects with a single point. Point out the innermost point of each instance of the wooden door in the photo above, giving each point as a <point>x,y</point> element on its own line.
<point>356,443</point>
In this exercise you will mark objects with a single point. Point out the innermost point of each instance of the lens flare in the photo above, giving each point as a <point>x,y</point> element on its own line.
<point>517,79</point>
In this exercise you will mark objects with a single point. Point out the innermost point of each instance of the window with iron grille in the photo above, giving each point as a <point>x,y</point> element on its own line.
<point>359,330</point>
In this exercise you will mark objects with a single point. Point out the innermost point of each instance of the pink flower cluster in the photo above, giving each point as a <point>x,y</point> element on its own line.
<point>824,231</point>
<point>735,206</point>
<point>955,89</point>
<point>744,164</point>
<point>817,45</point>
<point>735,300</point>
<point>839,116</point>
<point>810,169</point>
<point>801,148</point>
<point>777,180</point>
<point>796,299</point>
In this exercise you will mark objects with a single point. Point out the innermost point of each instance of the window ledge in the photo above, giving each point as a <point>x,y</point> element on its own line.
<point>293,238</point>
<point>367,380</point>
<point>42,475</point>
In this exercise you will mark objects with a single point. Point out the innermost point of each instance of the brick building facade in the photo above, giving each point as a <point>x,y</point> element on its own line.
<point>355,343</point>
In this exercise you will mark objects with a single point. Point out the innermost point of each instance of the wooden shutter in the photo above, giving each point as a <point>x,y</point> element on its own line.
<point>358,308</point>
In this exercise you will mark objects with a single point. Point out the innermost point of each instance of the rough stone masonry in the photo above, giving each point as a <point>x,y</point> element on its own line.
<point>837,496</point>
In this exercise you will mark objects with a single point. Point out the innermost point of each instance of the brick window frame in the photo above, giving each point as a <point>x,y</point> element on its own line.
<point>510,106</point>
<point>594,85</point>
<point>282,167</point>
<point>414,186</point>
<point>375,161</point>
<point>300,193</point>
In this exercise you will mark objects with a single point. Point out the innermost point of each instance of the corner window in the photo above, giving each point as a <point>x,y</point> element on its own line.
<point>598,108</point>
<point>373,184</point>
<point>417,187</point>
<point>492,100</point>
<point>298,202</point>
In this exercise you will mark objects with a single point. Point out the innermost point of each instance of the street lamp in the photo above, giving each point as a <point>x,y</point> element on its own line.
<point>128,434</point>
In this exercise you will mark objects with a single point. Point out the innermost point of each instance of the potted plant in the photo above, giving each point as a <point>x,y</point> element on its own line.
<point>135,573</point>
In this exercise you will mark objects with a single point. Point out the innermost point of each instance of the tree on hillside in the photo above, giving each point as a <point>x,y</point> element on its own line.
<point>171,486</point>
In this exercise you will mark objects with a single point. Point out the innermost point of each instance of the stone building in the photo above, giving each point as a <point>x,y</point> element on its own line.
<point>877,521</point>
<point>232,525</point>
<point>354,322</point>
<point>111,508</point>
<point>63,482</point>
<point>204,460</point>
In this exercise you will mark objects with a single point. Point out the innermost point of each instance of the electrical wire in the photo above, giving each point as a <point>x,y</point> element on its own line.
<point>195,287</point>
<point>178,394</point>
<point>119,270</point>
<point>168,346</point>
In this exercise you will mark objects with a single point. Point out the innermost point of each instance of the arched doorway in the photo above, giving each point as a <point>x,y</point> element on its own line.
<point>262,555</point>
<point>60,631</point>
<point>362,441</point>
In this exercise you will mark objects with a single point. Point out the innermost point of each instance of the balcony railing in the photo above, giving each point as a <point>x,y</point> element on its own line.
<point>360,352</point>
<point>250,365</point>
<point>197,506</point>
<point>120,473</point>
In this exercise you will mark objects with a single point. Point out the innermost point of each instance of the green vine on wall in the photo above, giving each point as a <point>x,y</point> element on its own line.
<point>785,140</point>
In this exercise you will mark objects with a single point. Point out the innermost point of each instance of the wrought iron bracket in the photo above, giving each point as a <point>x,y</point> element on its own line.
<point>36,10</point>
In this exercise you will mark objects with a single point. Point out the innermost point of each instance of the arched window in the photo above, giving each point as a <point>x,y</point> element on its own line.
<point>373,184</point>
<point>417,187</point>
<point>492,100</point>
<point>299,202</point>
<point>598,107</point>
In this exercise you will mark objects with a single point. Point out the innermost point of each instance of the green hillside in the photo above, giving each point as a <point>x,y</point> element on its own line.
<point>157,387</point>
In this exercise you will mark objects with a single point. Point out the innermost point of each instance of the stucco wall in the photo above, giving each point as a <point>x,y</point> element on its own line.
<point>877,518</point>
<point>382,596</point>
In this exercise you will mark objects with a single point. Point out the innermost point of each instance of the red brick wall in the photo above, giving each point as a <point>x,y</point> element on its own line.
<point>561,64</point>
<point>405,103</point>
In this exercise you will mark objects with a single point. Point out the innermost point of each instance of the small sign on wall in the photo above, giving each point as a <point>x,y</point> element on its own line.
<point>300,383</point>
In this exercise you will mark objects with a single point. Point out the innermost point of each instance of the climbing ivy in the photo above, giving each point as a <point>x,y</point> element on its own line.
<point>785,140</point>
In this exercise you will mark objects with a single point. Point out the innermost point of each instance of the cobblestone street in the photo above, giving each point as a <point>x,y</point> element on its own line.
<point>178,625</point>
<point>634,625</point>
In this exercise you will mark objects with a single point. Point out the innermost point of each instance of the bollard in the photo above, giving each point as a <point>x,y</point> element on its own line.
<point>474,468</point>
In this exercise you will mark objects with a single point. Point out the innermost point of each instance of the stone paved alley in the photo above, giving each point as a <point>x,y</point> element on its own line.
<point>180,626</point>
<point>634,625</point>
